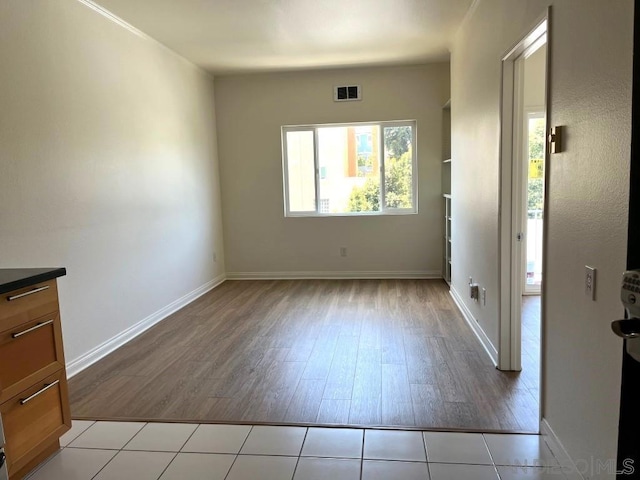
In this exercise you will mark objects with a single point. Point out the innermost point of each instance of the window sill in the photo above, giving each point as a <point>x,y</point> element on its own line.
<point>354,214</point>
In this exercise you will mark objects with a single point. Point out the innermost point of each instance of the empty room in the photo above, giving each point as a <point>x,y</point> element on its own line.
<point>304,240</point>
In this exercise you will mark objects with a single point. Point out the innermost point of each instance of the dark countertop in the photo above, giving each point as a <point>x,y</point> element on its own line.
<point>14,278</point>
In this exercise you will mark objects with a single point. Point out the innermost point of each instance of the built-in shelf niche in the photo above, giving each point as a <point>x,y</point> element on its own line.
<point>446,191</point>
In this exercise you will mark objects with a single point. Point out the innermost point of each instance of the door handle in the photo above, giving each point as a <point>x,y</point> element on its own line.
<point>627,329</point>
<point>26,294</point>
<point>47,386</point>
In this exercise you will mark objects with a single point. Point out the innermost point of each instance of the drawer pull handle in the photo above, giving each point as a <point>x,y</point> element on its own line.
<point>29,330</point>
<point>42,390</point>
<point>30,292</point>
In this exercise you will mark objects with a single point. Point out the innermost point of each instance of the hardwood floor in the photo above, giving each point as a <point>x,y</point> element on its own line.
<point>349,352</point>
<point>530,375</point>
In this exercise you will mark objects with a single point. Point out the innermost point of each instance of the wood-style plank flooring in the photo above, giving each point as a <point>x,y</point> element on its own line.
<point>349,352</point>
<point>530,374</point>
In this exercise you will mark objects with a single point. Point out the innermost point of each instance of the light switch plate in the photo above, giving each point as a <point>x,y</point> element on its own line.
<point>590,282</point>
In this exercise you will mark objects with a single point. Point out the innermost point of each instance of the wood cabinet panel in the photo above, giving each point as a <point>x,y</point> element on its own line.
<point>29,353</point>
<point>27,304</point>
<point>35,419</point>
<point>34,398</point>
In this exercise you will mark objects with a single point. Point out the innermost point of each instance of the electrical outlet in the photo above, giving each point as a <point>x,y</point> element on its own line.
<point>484,297</point>
<point>590,282</point>
<point>343,251</point>
<point>474,291</point>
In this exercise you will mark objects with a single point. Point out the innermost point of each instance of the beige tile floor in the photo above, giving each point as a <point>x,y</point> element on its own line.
<point>163,451</point>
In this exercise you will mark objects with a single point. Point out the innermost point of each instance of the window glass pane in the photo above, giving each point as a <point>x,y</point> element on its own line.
<point>398,167</point>
<point>350,169</point>
<point>345,166</point>
<point>301,171</point>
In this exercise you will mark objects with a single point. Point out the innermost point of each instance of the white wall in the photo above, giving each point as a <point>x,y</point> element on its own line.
<point>108,166</point>
<point>258,239</point>
<point>534,78</point>
<point>591,59</point>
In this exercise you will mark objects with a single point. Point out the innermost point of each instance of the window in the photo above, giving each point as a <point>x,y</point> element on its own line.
<point>352,169</point>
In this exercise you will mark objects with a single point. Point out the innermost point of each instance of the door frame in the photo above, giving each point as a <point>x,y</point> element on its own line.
<point>510,268</point>
<point>629,420</point>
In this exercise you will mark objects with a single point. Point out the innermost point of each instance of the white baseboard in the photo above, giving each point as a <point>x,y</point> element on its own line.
<point>77,365</point>
<point>420,274</point>
<point>569,468</point>
<point>475,326</point>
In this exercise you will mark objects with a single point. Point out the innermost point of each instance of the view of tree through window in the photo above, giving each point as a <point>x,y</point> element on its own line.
<point>536,161</point>
<point>350,159</point>
<point>397,178</point>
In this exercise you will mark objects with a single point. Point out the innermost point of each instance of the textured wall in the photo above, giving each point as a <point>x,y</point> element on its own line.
<point>258,238</point>
<point>591,59</point>
<point>107,166</point>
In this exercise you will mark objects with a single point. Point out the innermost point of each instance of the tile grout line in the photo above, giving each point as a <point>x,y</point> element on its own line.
<point>80,434</point>
<point>426,454</point>
<point>105,465</point>
<point>62,447</point>
<point>134,436</point>
<point>493,462</point>
<point>176,453</point>
<point>51,457</point>
<point>295,469</point>
<point>111,459</point>
<point>364,435</point>
<point>55,454</point>
<point>239,450</point>
<point>168,464</point>
<point>189,437</point>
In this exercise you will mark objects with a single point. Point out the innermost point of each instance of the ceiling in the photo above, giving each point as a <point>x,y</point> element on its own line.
<point>237,36</point>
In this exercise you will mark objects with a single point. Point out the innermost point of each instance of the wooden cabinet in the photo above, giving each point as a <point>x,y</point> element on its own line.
<point>34,400</point>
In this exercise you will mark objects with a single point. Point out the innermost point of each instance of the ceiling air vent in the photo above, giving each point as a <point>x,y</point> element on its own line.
<point>348,93</point>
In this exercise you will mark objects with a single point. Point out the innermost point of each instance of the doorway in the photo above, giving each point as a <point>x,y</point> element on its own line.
<point>523,155</point>
<point>533,159</point>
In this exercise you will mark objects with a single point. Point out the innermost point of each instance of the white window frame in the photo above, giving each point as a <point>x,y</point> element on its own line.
<point>384,210</point>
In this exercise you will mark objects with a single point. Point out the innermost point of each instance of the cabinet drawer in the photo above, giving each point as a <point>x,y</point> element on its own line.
<point>26,304</point>
<point>34,419</point>
<point>29,353</point>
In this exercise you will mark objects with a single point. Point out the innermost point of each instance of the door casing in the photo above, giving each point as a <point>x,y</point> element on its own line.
<point>511,268</point>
